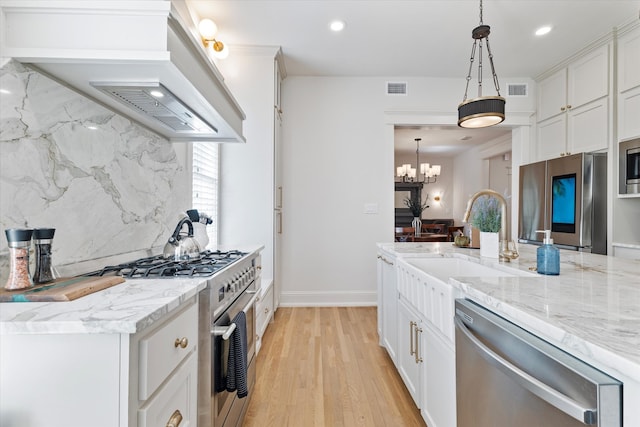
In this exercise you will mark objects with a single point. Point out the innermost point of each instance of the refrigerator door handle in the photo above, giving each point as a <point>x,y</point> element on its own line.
<point>587,416</point>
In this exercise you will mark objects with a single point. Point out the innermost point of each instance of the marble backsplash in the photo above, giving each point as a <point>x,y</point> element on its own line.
<point>106,184</point>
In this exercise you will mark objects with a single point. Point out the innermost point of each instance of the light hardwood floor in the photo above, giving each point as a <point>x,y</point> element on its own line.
<point>323,367</point>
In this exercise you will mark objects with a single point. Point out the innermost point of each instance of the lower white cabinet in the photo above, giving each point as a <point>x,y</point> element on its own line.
<point>439,395</point>
<point>264,314</point>
<point>388,304</point>
<point>175,403</point>
<point>410,350</point>
<point>103,379</point>
<point>426,343</point>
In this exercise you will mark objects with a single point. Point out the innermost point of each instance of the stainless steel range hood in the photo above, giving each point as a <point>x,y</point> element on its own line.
<point>118,53</point>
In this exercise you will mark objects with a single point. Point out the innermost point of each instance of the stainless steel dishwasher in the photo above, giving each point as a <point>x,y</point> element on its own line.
<point>506,376</point>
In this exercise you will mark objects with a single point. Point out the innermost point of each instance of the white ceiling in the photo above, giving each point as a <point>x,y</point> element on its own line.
<point>405,38</point>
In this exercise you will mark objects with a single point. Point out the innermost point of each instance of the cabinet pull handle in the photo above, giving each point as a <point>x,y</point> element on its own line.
<point>182,342</point>
<point>279,198</point>
<point>412,351</point>
<point>175,420</point>
<point>417,331</point>
<point>279,229</point>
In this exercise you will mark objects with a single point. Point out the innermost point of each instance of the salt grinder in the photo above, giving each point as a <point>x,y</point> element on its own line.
<point>19,242</point>
<point>44,269</point>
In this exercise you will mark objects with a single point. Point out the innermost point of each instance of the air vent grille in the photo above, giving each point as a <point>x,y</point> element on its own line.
<point>517,89</point>
<point>396,88</point>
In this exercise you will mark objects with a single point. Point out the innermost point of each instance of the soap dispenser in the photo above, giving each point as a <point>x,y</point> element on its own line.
<point>548,256</point>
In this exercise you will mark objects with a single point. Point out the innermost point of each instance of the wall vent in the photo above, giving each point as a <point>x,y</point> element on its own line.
<point>396,88</point>
<point>517,89</point>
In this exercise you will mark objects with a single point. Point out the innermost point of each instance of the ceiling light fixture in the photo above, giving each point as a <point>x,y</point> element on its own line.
<point>208,30</point>
<point>337,26</point>
<point>482,111</point>
<point>408,174</point>
<point>543,30</point>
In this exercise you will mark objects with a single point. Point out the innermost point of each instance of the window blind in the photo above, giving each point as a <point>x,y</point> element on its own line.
<point>205,184</point>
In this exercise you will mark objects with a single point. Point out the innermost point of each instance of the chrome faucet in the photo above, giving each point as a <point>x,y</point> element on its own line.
<point>503,213</point>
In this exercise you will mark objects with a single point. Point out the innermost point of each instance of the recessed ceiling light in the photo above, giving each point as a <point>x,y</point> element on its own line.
<point>91,127</point>
<point>337,26</point>
<point>543,30</point>
<point>5,91</point>
<point>156,93</point>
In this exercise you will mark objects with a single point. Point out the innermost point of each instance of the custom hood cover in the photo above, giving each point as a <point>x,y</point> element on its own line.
<point>142,59</point>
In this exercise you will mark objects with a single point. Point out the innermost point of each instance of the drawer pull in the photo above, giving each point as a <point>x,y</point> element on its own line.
<point>182,342</point>
<point>175,420</point>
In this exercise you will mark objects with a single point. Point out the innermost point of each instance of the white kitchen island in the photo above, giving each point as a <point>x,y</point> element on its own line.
<point>591,310</point>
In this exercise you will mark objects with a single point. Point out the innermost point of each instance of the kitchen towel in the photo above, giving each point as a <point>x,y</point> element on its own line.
<point>237,364</point>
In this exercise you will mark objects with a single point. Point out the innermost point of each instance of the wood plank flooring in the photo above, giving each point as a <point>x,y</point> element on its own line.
<point>323,367</point>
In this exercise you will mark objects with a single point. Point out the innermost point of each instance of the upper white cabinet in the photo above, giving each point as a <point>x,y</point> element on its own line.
<point>629,84</point>
<point>573,106</point>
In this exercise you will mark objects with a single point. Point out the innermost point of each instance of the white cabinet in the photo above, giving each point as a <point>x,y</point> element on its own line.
<point>573,107</point>
<point>388,304</point>
<point>426,347</point>
<point>250,173</point>
<point>410,350</point>
<point>264,314</point>
<point>629,84</point>
<point>101,379</point>
<point>439,394</point>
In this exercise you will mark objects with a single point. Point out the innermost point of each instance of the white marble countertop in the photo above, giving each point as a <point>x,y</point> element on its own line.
<point>591,310</point>
<point>125,308</point>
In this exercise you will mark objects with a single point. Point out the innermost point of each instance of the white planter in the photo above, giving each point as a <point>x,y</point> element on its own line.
<point>489,245</point>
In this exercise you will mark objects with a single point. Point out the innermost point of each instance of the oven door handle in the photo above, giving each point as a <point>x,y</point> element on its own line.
<point>251,301</point>
<point>226,331</point>
<point>223,331</point>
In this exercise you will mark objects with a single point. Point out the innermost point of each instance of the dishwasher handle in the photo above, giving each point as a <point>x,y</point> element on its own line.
<point>587,416</point>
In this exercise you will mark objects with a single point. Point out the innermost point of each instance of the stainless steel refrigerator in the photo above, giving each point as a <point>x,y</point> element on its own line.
<point>568,196</point>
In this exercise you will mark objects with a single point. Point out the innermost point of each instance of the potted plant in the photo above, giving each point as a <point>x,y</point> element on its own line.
<point>416,207</point>
<point>487,218</point>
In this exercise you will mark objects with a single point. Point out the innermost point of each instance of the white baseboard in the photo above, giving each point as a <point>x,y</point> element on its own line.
<point>328,299</point>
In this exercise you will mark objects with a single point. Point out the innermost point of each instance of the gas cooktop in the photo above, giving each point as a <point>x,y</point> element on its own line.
<point>160,267</point>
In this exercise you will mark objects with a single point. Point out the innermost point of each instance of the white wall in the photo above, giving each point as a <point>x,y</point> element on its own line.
<point>338,156</point>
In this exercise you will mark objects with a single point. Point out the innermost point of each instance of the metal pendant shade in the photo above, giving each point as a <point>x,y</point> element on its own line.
<point>482,111</point>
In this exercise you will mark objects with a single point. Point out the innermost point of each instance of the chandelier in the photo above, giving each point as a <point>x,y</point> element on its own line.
<point>428,174</point>
<point>483,111</point>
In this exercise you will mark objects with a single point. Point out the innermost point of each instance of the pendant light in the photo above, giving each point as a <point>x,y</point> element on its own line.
<point>482,111</point>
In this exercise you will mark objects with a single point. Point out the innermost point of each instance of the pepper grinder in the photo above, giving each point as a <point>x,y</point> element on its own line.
<point>19,242</point>
<point>44,269</point>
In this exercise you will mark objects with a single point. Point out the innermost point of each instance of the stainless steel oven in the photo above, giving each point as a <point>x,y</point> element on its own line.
<point>630,167</point>
<point>232,291</point>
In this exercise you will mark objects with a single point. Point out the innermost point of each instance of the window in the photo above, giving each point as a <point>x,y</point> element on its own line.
<point>205,184</point>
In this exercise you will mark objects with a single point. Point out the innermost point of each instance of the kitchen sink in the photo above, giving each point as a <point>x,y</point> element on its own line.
<point>444,268</point>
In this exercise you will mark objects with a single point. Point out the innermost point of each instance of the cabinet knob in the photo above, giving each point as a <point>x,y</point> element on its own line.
<point>562,108</point>
<point>182,342</point>
<point>175,420</point>
<point>569,107</point>
<point>266,310</point>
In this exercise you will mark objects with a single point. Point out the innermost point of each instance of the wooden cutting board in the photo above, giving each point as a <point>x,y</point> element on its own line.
<point>63,289</point>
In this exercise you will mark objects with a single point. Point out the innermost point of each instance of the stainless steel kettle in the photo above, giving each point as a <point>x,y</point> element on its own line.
<point>182,247</point>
